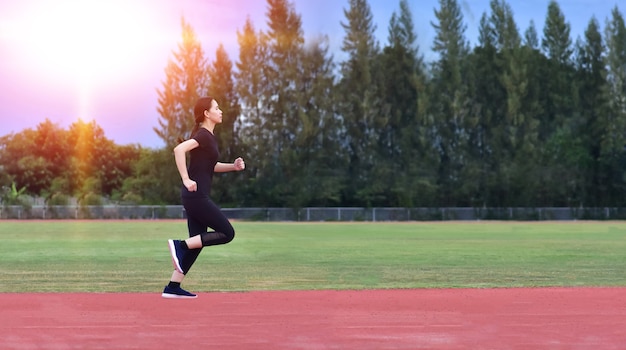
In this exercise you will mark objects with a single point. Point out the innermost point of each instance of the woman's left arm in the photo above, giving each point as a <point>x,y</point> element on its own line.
<point>237,165</point>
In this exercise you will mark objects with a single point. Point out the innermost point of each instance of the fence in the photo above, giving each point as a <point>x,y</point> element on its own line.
<point>314,214</point>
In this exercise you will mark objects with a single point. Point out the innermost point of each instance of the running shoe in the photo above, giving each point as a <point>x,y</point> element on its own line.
<point>177,293</point>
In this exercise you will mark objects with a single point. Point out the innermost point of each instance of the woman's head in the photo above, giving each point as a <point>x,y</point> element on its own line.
<point>203,104</point>
<point>206,108</point>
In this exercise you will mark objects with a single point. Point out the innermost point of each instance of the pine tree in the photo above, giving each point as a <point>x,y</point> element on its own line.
<point>557,46</point>
<point>222,89</point>
<point>531,38</point>
<point>593,109</point>
<point>561,113</point>
<point>321,167</point>
<point>360,105</point>
<point>616,77</point>
<point>450,102</point>
<point>614,139</point>
<point>503,26</point>
<point>556,42</point>
<point>404,95</point>
<point>286,88</point>
<point>186,80</point>
<point>517,130</point>
<point>285,40</point>
<point>251,84</point>
<point>486,37</point>
<point>487,95</point>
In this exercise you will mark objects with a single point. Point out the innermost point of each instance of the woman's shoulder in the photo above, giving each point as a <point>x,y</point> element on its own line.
<point>203,136</point>
<point>204,131</point>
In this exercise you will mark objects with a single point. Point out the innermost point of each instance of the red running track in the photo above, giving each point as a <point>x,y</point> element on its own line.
<point>541,318</point>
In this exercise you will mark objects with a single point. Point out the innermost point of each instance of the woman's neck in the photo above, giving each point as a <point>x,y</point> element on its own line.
<point>208,126</point>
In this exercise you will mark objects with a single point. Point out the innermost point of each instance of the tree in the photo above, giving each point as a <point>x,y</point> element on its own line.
<point>186,80</point>
<point>51,162</point>
<point>360,106</point>
<point>591,74</point>
<point>531,38</point>
<point>222,88</point>
<point>97,166</point>
<point>502,23</point>
<point>556,42</point>
<point>319,178</point>
<point>560,114</point>
<point>34,157</point>
<point>251,83</point>
<point>616,78</point>
<point>519,139</point>
<point>613,140</point>
<point>147,184</point>
<point>11,195</point>
<point>285,89</point>
<point>450,102</point>
<point>116,163</point>
<point>486,36</point>
<point>557,46</point>
<point>283,120</point>
<point>403,90</point>
<point>487,94</point>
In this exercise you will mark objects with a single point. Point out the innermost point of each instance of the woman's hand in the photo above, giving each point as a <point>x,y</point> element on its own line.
<point>239,164</point>
<point>191,185</point>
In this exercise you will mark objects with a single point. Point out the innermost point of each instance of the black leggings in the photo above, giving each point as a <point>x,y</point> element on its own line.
<point>203,214</point>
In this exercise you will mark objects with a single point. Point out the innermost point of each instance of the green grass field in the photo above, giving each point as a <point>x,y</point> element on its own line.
<point>132,256</point>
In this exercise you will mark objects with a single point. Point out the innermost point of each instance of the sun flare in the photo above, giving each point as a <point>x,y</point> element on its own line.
<point>88,42</point>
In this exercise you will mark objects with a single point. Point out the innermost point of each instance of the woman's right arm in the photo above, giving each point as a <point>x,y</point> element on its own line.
<point>180,152</point>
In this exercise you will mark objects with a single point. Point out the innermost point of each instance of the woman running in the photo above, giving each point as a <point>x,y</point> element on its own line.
<point>202,213</point>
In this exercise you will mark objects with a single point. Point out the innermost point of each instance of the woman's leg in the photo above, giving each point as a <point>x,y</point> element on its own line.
<point>202,213</point>
<point>189,256</point>
<point>195,228</point>
<point>205,214</point>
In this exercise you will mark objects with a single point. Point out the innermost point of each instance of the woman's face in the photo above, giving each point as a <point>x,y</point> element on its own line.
<point>214,113</point>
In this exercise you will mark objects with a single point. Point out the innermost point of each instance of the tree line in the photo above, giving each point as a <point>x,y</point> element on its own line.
<point>520,119</point>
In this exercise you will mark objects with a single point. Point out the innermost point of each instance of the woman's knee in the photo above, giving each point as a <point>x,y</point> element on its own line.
<point>230,235</point>
<point>222,235</point>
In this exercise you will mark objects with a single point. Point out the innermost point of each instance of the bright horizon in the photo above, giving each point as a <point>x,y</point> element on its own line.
<point>66,60</point>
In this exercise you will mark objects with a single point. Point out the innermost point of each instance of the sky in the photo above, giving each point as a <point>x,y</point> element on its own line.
<point>66,60</point>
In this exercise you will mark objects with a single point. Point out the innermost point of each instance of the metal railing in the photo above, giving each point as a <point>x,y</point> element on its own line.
<point>313,214</point>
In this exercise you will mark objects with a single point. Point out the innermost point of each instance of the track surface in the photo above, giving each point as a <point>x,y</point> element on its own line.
<point>542,318</point>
